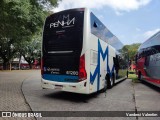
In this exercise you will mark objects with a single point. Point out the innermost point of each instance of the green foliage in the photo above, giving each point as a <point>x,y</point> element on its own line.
<point>122,73</point>
<point>52,2</point>
<point>20,21</point>
<point>48,5</point>
<point>15,18</point>
<point>131,49</point>
<point>7,49</point>
<point>132,75</point>
<point>31,50</point>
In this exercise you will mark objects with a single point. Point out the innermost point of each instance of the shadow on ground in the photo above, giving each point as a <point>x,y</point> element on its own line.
<point>72,97</point>
<point>75,97</point>
<point>151,86</point>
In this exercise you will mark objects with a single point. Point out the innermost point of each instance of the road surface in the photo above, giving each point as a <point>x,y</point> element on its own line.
<point>21,91</point>
<point>124,96</point>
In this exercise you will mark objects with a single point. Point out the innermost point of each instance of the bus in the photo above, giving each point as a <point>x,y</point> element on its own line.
<point>76,54</point>
<point>148,60</point>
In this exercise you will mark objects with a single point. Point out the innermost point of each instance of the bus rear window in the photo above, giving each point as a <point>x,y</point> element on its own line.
<point>63,31</point>
<point>62,42</point>
<point>65,21</point>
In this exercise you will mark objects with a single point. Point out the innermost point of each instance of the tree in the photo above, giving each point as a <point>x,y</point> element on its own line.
<point>31,50</point>
<point>7,50</point>
<point>19,21</point>
<point>131,49</point>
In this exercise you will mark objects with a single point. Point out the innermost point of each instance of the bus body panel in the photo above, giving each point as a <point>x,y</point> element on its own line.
<point>101,62</point>
<point>148,60</point>
<point>98,56</point>
<point>85,50</point>
<point>54,77</point>
<point>70,87</point>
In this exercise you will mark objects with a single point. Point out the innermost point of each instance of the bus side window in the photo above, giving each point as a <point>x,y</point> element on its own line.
<point>116,63</point>
<point>95,24</point>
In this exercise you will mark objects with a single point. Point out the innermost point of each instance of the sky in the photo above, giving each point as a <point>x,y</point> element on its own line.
<point>132,21</point>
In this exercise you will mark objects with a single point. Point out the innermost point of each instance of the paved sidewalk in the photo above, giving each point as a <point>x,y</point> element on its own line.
<point>147,98</point>
<point>12,98</point>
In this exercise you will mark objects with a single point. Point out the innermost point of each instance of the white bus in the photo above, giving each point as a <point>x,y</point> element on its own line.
<point>76,54</point>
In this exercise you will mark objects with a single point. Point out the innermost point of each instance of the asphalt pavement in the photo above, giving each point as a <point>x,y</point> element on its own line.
<point>21,91</point>
<point>124,96</point>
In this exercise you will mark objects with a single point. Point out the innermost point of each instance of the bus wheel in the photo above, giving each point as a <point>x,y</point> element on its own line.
<point>110,82</point>
<point>139,76</point>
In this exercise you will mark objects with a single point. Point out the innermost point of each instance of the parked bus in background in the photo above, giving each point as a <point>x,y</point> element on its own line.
<point>148,60</point>
<point>78,53</point>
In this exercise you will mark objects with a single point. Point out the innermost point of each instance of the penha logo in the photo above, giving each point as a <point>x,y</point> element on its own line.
<point>66,22</point>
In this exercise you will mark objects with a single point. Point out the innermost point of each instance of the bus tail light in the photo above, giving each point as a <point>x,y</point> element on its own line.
<point>42,68</point>
<point>82,70</point>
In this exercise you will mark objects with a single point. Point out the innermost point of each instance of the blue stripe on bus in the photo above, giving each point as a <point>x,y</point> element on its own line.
<point>60,78</point>
<point>97,70</point>
<point>92,77</point>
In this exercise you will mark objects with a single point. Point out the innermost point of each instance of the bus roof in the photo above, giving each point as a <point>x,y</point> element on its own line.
<point>152,41</point>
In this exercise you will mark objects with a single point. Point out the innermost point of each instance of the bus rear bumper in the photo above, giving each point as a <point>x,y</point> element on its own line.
<point>80,87</point>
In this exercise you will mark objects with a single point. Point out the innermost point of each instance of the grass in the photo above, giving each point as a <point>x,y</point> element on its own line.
<point>122,72</point>
<point>132,75</point>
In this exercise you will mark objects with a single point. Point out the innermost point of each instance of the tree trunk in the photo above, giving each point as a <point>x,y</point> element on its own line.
<point>10,66</point>
<point>19,65</point>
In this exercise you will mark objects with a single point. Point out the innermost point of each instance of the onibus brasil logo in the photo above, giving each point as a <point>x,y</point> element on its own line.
<point>66,22</point>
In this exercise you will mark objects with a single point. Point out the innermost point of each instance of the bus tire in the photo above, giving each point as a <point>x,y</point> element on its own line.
<point>105,84</point>
<point>109,81</point>
<point>113,77</point>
